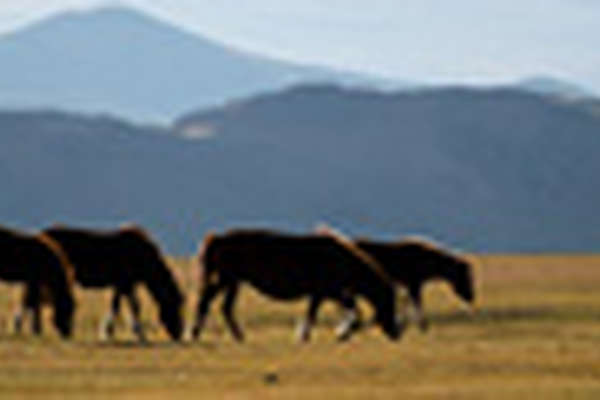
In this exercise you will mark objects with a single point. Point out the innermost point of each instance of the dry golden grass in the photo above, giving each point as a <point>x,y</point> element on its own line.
<point>537,335</point>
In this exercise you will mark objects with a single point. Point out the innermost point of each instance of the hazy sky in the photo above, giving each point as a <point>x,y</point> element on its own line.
<point>416,40</point>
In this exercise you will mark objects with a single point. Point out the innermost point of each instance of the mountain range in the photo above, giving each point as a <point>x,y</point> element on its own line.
<point>485,170</point>
<point>122,62</point>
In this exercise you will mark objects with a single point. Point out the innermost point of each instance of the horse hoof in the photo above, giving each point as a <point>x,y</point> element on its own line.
<point>239,338</point>
<point>271,378</point>
<point>401,329</point>
<point>302,339</point>
<point>195,333</point>
<point>345,331</point>
<point>344,336</point>
<point>109,331</point>
<point>18,325</point>
<point>142,338</point>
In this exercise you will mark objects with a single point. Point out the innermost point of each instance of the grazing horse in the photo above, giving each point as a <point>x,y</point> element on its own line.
<point>288,267</point>
<point>39,262</point>
<point>121,259</point>
<point>413,263</point>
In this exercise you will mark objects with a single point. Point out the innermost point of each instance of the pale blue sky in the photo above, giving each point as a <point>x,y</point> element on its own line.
<point>417,40</point>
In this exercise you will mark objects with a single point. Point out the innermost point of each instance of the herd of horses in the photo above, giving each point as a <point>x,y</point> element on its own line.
<point>322,265</point>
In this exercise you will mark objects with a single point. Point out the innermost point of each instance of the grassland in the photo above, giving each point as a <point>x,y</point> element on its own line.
<point>537,335</point>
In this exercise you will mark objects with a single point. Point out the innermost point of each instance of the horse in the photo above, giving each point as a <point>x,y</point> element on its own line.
<point>413,263</point>
<point>287,267</point>
<point>39,263</point>
<point>121,259</point>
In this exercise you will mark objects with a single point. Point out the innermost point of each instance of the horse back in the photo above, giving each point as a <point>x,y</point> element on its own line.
<point>103,258</point>
<point>411,262</point>
<point>283,266</point>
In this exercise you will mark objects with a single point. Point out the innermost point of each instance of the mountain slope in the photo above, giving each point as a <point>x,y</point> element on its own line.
<point>493,167</point>
<point>118,61</point>
<point>496,170</point>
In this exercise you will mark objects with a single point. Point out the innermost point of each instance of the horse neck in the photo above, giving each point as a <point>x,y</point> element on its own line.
<point>442,269</point>
<point>373,286</point>
<point>161,284</point>
<point>60,278</point>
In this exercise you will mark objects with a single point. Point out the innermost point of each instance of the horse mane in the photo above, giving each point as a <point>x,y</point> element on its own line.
<point>431,245</point>
<point>425,242</point>
<point>323,229</point>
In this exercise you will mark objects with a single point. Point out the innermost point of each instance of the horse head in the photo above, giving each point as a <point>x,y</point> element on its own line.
<point>461,279</point>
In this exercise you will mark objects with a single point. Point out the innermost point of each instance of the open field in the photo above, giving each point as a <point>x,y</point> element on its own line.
<point>537,335</point>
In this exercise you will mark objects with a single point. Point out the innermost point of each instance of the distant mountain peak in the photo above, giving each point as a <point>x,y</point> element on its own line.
<point>111,11</point>
<point>108,17</point>
<point>124,62</point>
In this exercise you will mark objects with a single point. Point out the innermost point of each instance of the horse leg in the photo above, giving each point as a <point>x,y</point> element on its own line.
<point>134,305</point>
<point>227,309</point>
<point>32,302</point>
<point>18,318</point>
<point>417,302</point>
<point>303,332</point>
<point>107,329</point>
<point>208,294</point>
<point>21,311</point>
<point>352,322</point>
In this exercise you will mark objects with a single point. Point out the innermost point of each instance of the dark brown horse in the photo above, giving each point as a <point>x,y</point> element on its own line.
<point>287,267</point>
<point>39,263</point>
<point>121,259</point>
<point>413,263</point>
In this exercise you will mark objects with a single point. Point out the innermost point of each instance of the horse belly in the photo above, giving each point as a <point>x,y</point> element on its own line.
<point>12,273</point>
<point>279,291</point>
<point>276,283</point>
<point>97,276</point>
<point>282,272</point>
